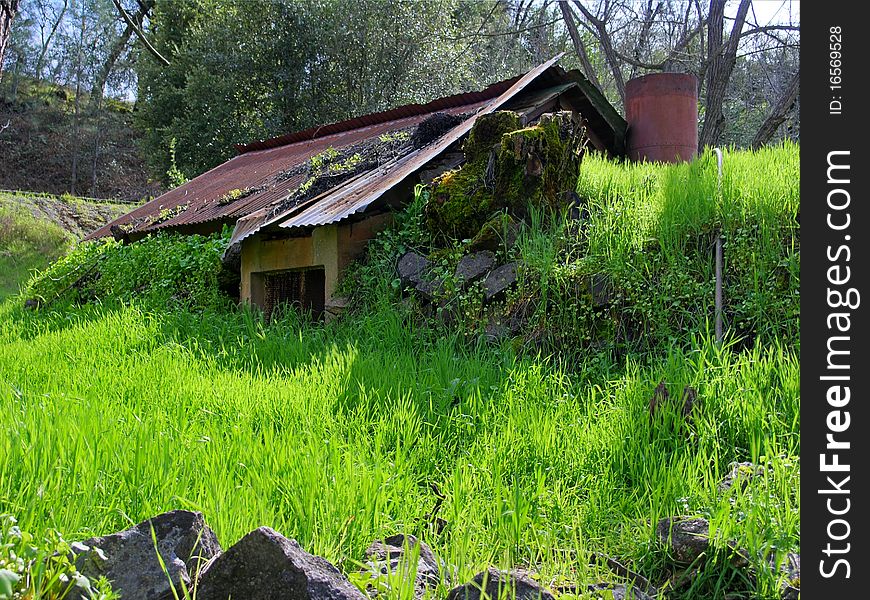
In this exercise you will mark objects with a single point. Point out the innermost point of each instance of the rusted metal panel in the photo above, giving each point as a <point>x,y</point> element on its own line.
<point>662,114</point>
<point>254,169</point>
<point>357,194</point>
<point>262,165</point>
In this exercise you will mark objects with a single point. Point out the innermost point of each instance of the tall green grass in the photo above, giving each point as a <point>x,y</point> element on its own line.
<point>27,244</point>
<point>335,435</point>
<point>342,433</point>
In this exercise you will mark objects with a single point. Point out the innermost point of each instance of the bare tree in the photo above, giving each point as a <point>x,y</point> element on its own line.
<point>8,9</point>
<point>117,49</point>
<point>779,112</point>
<point>669,35</point>
<point>50,18</point>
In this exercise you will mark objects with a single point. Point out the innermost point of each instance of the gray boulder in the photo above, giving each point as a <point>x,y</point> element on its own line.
<point>499,281</point>
<point>387,556</point>
<point>430,290</point>
<point>474,266</point>
<point>686,538</point>
<point>500,585</point>
<point>618,591</point>
<point>264,565</point>
<point>129,558</point>
<point>412,268</point>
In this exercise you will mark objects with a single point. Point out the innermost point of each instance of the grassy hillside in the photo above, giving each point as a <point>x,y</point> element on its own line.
<point>335,435</point>
<point>36,230</point>
<point>45,136</point>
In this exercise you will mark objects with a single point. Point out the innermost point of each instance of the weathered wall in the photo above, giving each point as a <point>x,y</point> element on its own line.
<point>331,247</point>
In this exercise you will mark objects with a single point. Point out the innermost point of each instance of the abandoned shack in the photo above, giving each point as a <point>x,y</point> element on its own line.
<point>304,205</point>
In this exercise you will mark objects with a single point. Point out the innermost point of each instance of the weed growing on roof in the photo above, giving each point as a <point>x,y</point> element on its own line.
<point>395,136</point>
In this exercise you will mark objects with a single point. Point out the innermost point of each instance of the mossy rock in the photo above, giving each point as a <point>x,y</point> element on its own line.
<point>508,169</point>
<point>498,233</point>
<point>487,133</point>
<point>539,165</point>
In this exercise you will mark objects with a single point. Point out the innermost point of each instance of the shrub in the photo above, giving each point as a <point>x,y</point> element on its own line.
<point>160,270</point>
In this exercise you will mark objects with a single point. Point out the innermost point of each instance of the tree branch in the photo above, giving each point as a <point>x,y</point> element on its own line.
<point>780,110</point>
<point>140,34</point>
<point>579,46</point>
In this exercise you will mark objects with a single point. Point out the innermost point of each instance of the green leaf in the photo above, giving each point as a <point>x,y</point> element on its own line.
<point>8,579</point>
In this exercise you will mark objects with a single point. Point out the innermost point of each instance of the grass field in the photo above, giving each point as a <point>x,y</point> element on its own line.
<point>37,229</point>
<point>335,435</point>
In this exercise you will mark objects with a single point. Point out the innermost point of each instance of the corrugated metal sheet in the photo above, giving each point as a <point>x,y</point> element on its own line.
<point>259,165</point>
<point>358,193</point>
<point>259,168</point>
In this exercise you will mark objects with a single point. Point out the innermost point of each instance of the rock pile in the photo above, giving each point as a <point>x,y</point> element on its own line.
<point>163,556</point>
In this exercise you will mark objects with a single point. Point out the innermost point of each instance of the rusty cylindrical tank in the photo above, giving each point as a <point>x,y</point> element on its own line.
<point>662,114</point>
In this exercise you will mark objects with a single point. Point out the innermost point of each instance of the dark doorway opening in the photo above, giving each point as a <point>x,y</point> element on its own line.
<point>302,289</point>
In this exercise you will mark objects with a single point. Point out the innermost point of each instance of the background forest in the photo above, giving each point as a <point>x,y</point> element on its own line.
<point>117,98</point>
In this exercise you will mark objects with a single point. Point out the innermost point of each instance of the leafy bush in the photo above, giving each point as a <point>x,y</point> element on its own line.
<point>160,270</point>
<point>32,567</point>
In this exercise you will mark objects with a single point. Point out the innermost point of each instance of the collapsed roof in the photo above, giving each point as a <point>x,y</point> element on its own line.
<point>259,188</point>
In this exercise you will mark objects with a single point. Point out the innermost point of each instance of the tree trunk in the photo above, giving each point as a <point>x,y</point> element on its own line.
<point>779,112</point>
<point>8,8</point>
<point>600,26</point>
<point>579,46</point>
<point>77,106</point>
<point>722,56</point>
<point>117,50</point>
<point>44,50</point>
<point>98,88</point>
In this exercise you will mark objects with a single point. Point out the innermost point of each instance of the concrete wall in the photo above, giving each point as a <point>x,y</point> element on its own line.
<point>330,247</point>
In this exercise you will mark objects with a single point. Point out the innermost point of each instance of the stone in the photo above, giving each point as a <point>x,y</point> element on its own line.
<point>741,474</point>
<point>430,290</point>
<point>264,565</point>
<point>31,304</point>
<point>474,266</point>
<point>412,268</point>
<point>499,281</point>
<point>500,585</point>
<point>791,567</point>
<point>601,291</point>
<point>499,233</point>
<point>496,331</point>
<point>686,538</point>
<point>387,556</point>
<point>618,591</point>
<point>129,558</point>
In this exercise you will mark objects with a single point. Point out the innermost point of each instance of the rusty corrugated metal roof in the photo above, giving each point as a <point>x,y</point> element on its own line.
<point>259,163</point>
<point>263,166</point>
<point>358,193</point>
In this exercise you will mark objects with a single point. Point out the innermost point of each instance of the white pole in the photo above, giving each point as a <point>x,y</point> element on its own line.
<point>719,255</point>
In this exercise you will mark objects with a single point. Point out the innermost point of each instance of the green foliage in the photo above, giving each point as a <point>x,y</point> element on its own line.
<point>333,434</point>
<point>291,70</point>
<point>159,271</point>
<point>42,568</point>
<point>651,231</point>
<point>174,174</point>
<point>373,280</point>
